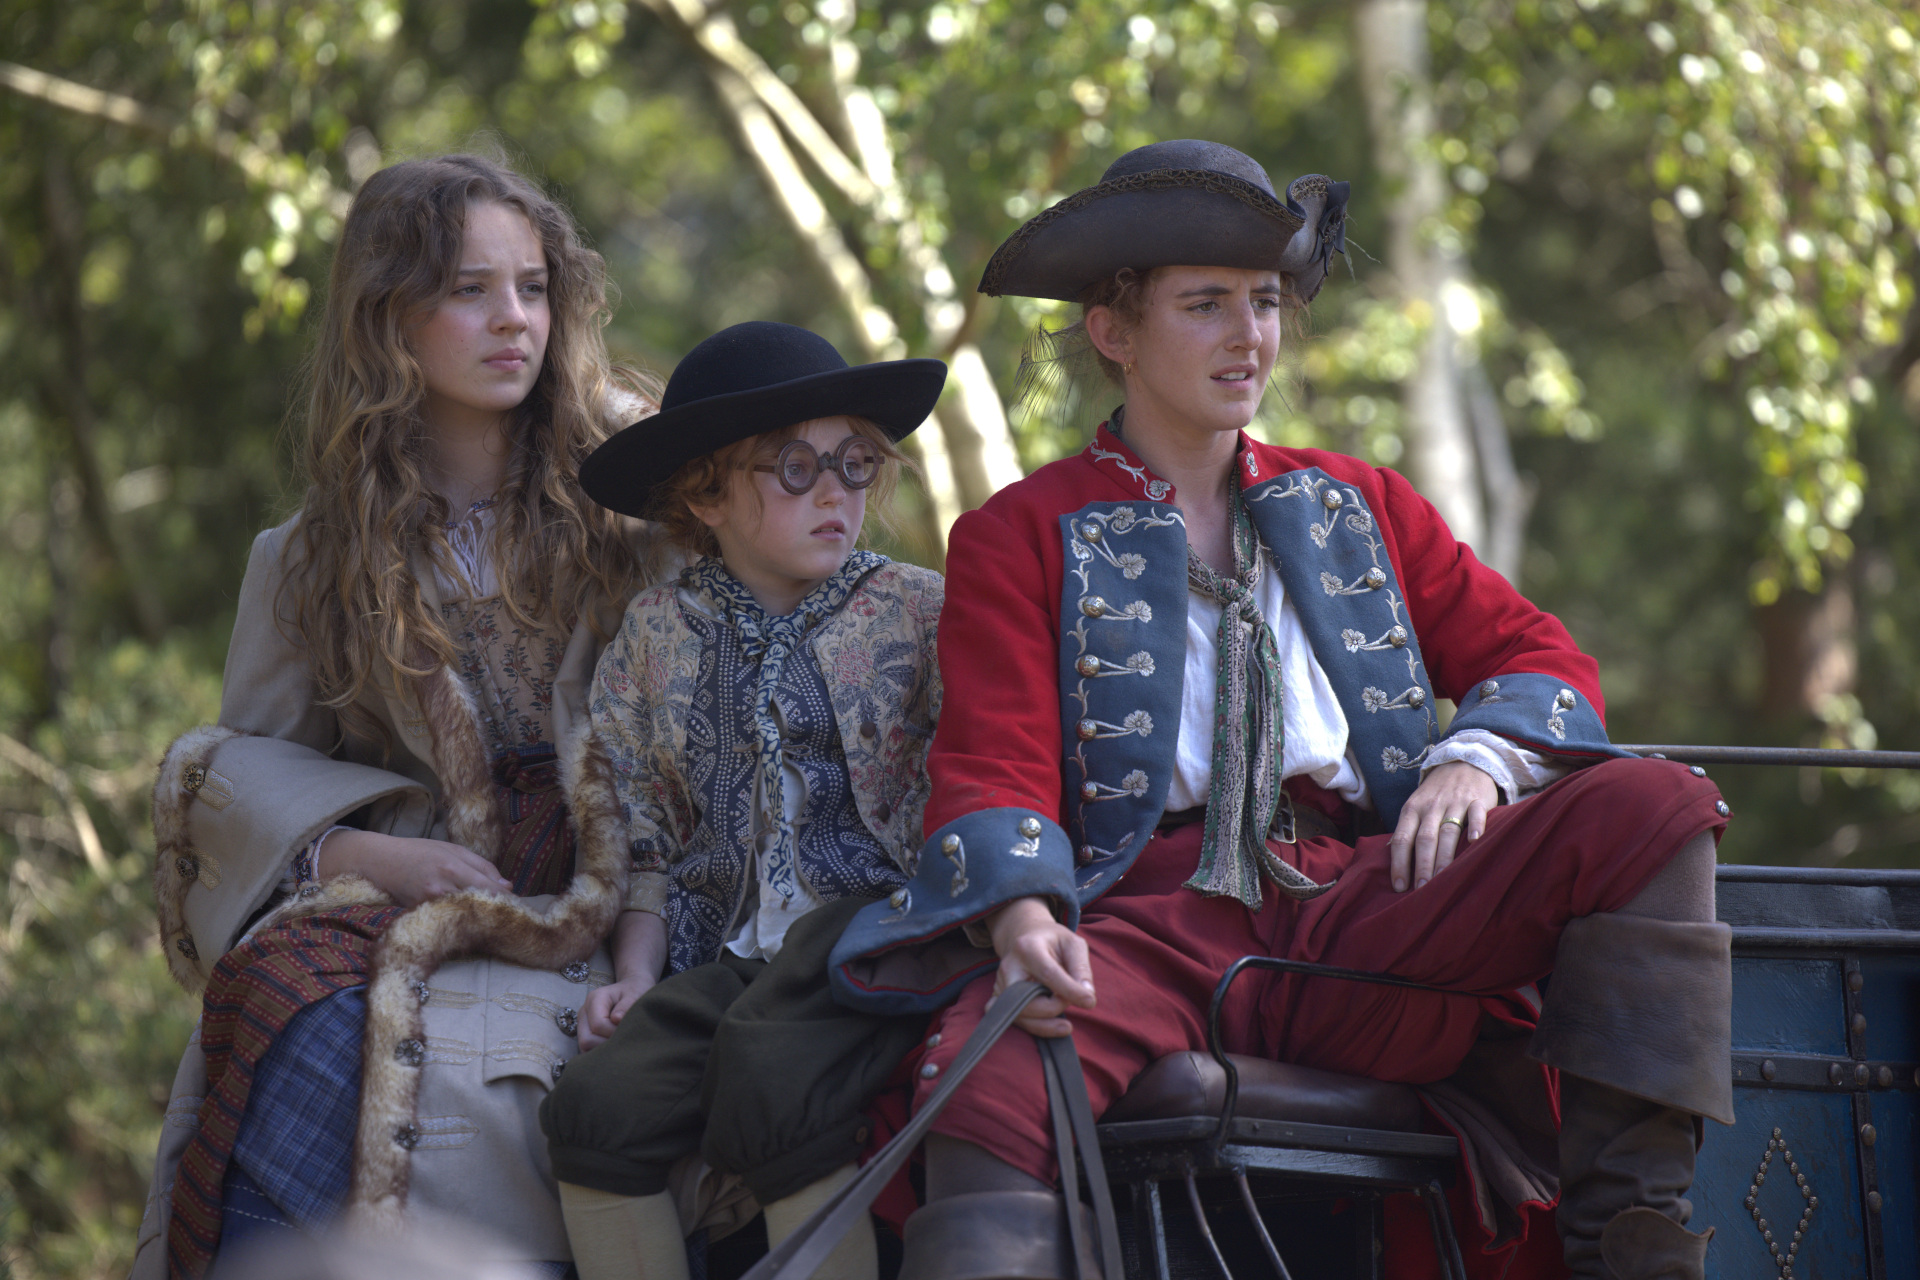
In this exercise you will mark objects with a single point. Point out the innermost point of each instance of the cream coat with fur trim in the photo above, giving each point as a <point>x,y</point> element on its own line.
<point>485,983</point>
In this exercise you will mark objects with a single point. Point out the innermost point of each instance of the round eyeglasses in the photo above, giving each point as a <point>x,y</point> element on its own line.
<point>856,459</point>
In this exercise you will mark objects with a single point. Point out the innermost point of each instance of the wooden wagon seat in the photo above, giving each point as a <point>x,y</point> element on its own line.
<point>1192,1084</point>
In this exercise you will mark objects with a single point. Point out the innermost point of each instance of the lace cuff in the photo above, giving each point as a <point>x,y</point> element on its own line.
<point>304,869</point>
<point>1517,771</point>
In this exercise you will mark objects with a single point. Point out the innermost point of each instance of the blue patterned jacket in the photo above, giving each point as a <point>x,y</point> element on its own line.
<point>876,655</point>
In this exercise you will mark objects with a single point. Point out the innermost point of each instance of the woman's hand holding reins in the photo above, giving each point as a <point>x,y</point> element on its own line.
<point>1446,812</point>
<point>408,869</point>
<point>1032,944</point>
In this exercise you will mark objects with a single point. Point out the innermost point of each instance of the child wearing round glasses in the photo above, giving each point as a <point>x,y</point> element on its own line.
<point>764,719</point>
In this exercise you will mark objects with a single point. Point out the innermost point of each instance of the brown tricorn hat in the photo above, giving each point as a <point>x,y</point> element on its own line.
<point>1171,204</point>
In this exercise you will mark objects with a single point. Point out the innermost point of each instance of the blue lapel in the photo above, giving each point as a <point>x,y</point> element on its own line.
<point>1337,573</point>
<point>1123,636</point>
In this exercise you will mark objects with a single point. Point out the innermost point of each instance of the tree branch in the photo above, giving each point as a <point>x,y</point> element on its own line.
<point>255,161</point>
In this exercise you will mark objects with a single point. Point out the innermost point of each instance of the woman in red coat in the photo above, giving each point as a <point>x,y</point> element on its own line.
<point>1191,716</point>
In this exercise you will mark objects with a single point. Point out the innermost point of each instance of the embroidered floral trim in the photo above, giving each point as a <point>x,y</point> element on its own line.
<point>1091,540</point>
<point>1155,490</point>
<point>1346,510</point>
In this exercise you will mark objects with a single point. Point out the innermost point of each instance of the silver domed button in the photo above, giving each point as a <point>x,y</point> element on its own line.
<point>1093,606</point>
<point>1489,687</point>
<point>1030,828</point>
<point>1333,500</point>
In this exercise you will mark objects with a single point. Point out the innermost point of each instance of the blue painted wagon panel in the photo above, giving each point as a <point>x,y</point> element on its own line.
<point>1788,1005</point>
<point>1815,1138</point>
<point>1897,1118</point>
<point>1890,1000</point>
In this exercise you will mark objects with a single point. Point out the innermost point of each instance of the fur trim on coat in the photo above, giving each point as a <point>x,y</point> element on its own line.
<point>185,771</point>
<point>468,924</point>
<point>549,934</point>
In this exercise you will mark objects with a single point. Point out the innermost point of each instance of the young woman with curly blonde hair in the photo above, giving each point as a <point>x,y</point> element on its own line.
<point>383,869</point>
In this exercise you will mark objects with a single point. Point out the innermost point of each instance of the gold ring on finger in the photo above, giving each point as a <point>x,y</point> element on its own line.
<point>1452,822</point>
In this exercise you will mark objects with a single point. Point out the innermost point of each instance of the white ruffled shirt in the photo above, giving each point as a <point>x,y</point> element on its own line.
<point>1316,724</point>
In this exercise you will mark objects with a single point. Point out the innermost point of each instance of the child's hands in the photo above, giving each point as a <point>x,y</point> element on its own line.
<point>606,1006</point>
<point>639,958</point>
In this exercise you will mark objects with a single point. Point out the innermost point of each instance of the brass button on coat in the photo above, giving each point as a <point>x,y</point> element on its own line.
<point>1093,606</point>
<point>1088,665</point>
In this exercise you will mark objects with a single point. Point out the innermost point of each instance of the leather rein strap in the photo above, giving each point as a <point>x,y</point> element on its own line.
<point>801,1253</point>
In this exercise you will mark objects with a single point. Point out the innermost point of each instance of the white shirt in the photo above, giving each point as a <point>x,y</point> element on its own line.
<point>1316,724</point>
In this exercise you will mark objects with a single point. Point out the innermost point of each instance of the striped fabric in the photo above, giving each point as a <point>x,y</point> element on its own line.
<point>256,990</point>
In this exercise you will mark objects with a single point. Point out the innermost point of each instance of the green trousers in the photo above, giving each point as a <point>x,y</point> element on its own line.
<point>748,1062</point>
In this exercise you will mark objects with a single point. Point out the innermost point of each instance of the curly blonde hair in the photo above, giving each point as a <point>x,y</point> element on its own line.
<point>368,507</point>
<point>704,482</point>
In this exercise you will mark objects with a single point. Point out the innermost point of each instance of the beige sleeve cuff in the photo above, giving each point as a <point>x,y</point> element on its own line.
<point>647,891</point>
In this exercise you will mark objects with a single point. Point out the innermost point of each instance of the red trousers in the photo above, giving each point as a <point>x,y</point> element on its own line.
<point>1488,924</point>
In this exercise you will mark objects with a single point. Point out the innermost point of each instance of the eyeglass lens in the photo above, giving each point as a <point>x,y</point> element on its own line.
<point>800,465</point>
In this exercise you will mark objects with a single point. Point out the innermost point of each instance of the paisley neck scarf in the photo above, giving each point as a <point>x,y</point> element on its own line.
<point>771,641</point>
<point>1249,730</point>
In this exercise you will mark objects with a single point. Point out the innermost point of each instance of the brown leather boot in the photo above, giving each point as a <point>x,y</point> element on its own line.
<point>1639,1019</point>
<point>996,1235</point>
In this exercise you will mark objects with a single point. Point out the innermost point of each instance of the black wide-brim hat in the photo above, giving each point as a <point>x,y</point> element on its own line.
<point>1174,204</point>
<point>754,377</point>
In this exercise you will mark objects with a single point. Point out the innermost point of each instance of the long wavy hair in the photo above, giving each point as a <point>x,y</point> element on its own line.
<point>356,602</point>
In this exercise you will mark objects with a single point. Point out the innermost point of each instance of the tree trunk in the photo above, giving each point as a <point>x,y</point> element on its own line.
<point>1811,657</point>
<point>970,453</point>
<point>1457,453</point>
<point>65,389</point>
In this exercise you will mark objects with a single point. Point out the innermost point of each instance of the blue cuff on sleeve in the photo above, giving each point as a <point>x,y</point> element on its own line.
<point>907,954</point>
<point>1539,713</point>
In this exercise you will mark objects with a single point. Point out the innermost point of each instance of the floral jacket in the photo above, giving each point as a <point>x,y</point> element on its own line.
<point>876,655</point>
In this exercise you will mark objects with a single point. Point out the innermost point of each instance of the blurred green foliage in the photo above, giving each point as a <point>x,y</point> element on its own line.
<point>1693,228</point>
